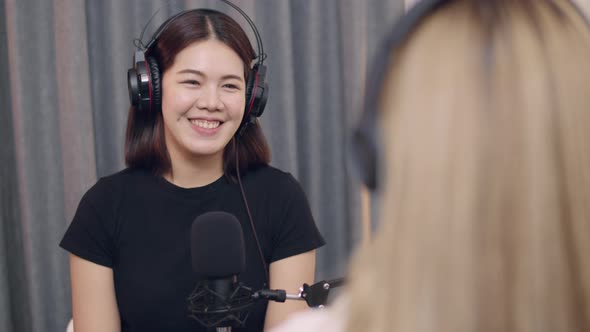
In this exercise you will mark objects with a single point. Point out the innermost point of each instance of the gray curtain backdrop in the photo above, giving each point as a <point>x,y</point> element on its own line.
<point>63,109</point>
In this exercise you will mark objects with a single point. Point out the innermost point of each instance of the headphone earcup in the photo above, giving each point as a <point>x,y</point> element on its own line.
<point>256,96</point>
<point>155,84</point>
<point>256,92</point>
<point>249,89</point>
<point>133,87</point>
<point>139,82</point>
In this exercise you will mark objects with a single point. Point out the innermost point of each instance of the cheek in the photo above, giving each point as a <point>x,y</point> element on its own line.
<point>174,96</point>
<point>236,104</point>
<point>175,100</point>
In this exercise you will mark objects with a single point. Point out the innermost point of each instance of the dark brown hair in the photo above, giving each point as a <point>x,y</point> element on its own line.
<point>145,146</point>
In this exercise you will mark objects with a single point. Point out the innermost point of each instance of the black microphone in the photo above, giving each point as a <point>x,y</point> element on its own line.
<point>217,254</point>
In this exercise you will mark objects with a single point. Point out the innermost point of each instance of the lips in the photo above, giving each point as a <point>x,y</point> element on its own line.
<point>205,124</point>
<point>206,127</point>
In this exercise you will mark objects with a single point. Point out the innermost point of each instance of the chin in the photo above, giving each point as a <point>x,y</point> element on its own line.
<point>206,150</point>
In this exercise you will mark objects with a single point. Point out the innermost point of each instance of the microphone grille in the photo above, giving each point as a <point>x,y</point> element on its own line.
<point>217,245</point>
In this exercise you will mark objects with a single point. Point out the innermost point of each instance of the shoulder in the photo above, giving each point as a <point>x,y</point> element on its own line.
<point>272,178</point>
<point>125,176</point>
<point>112,186</point>
<point>272,186</point>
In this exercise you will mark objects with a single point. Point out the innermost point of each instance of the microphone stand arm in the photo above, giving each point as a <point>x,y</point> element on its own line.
<point>316,295</point>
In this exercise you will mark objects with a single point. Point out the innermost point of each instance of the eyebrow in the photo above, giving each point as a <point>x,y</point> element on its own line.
<point>200,73</point>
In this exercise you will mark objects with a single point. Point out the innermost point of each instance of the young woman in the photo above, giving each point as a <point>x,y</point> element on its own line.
<point>130,250</point>
<point>487,221</point>
<point>484,111</point>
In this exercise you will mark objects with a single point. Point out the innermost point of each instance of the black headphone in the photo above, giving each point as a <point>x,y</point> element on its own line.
<point>365,143</point>
<point>145,89</point>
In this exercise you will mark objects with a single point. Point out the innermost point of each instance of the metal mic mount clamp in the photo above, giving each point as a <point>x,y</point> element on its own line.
<point>316,295</point>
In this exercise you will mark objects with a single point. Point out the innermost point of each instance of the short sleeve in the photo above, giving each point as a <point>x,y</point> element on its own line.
<point>295,231</point>
<point>91,232</point>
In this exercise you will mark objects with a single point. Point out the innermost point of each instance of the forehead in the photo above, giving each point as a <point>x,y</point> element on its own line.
<point>209,55</point>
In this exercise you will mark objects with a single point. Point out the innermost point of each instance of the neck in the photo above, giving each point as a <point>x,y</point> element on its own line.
<point>196,172</point>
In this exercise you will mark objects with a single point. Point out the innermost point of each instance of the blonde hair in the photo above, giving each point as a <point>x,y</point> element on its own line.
<point>486,207</point>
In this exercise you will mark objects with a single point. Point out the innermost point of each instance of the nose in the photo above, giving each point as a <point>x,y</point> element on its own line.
<point>208,99</point>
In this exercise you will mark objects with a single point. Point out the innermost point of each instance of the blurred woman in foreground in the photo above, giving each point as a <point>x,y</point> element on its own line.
<point>484,112</point>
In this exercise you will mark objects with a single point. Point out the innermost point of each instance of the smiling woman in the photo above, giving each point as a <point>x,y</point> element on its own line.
<point>203,103</point>
<point>198,55</point>
<point>192,147</point>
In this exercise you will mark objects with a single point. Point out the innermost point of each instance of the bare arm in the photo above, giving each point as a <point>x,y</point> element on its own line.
<point>289,274</point>
<point>93,297</point>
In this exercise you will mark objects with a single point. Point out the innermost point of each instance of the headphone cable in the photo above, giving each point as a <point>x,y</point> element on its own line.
<point>250,214</point>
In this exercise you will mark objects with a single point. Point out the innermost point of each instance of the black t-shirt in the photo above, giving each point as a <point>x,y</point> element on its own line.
<point>139,225</point>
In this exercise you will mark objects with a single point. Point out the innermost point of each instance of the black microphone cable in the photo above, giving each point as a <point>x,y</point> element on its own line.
<point>236,144</point>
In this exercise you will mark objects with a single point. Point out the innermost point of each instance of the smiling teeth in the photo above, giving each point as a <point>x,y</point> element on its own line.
<point>205,124</point>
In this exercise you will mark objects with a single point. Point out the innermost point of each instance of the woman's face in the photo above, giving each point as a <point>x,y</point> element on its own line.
<point>203,100</point>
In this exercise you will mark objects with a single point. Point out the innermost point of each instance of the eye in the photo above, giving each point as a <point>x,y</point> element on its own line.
<point>191,82</point>
<point>231,86</point>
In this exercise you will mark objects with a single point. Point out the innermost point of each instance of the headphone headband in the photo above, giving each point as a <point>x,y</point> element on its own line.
<point>260,56</point>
